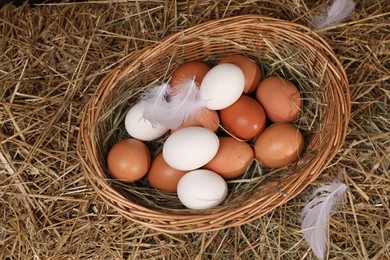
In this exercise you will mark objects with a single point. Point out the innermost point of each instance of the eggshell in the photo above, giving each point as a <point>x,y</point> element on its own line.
<point>187,71</point>
<point>222,86</point>
<point>279,145</point>
<point>280,99</point>
<point>162,176</point>
<point>207,118</point>
<point>128,160</point>
<point>140,128</point>
<point>232,159</point>
<point>244,119</point>
<point>251,71</point>
<point>201,189</point>
<point>190,148</point>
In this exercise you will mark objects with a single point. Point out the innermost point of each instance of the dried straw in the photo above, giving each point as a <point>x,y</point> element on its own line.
<point>51,60</point>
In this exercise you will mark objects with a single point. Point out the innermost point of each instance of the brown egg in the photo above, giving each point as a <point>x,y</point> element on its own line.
<point>162,176</point>
<point>187,71</point>
<point>280,99</point>
<point>251,71</point>
<point>129,160</point>
<point>232,159</point>
<point>279,145</point>
<point>207,118</point>
<point>244,119</point>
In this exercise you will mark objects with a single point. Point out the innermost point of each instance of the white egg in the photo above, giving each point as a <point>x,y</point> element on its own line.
<point>140,128</point>
<point>201,189</point>
<point>190,148</point>
<point>222,86</point>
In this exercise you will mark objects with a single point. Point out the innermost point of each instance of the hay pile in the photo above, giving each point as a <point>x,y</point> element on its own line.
<point>53,56</point>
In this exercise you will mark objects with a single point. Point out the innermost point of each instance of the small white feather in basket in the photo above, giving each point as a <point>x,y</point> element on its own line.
<point>316,214</point>
<point>335,14</point>
<point>155,101</point>
<point>171,108</point>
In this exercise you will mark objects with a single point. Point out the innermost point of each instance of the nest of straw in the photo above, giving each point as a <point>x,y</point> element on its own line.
<point>52,57</point>
<point>282,48</point>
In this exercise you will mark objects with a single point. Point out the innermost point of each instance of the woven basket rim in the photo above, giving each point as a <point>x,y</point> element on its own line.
<point>178,223</point>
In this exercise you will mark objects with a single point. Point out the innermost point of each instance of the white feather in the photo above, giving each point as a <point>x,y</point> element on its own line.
<point>186,102</point>
<point>171,108</point>
<point>316,214</point>
<point>156,103</point>
<point>335,14</point>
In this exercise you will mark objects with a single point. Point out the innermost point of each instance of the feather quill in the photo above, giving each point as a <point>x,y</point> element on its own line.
<point>169,109</point>
<point>316,214</point>
<point>335,14</point>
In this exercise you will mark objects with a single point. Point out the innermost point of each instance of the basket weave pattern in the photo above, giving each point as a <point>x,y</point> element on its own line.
<point>261,38</point>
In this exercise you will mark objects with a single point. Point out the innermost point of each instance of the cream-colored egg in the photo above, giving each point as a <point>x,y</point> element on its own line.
<point>190,148</point>
<point>140,128</point>
<point>222,86</point>
<point>201,189</point>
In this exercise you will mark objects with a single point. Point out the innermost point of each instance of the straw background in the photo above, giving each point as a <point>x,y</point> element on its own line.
<point>53,56</point>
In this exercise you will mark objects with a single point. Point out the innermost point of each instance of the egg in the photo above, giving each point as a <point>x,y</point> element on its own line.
<point>222,86</point>
<point>128,160</point>
<point>244,119</point>
<point>162,176</point>
<point>190,148</point>
<point>251,71</point>
<point>201,189</point>
<point>187,71</point>
<point>232,159</point>
<point>140,128</point>
<point>279,145</point>
<point>206,118</point>
<point>280,99</point>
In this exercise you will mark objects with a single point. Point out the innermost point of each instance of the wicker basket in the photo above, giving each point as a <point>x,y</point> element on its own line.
<point>281,47</point>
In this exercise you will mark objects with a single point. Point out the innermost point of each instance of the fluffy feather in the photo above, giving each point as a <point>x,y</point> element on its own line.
<point>316,214</point>
<point>186,103</point>
<point>169,109</point>
<point>156,103</point>
<point>335,14</point>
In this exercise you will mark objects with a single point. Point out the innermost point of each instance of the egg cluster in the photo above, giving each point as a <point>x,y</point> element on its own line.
<point>244,117</point>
